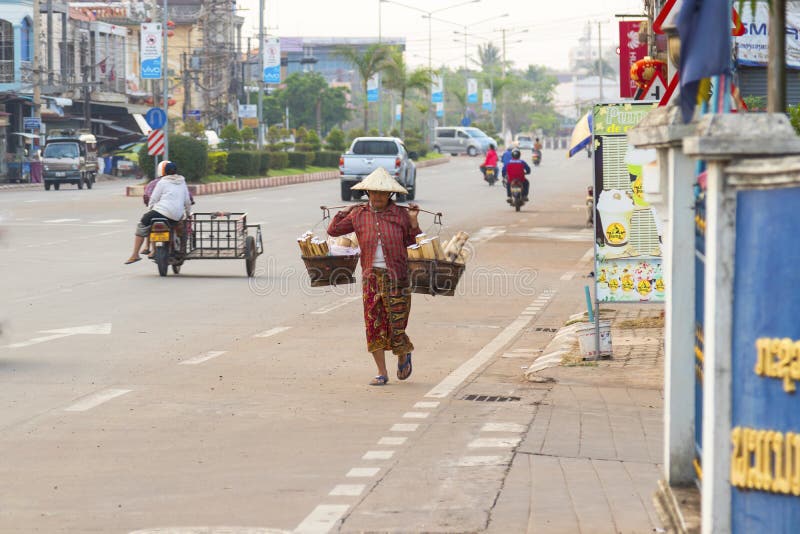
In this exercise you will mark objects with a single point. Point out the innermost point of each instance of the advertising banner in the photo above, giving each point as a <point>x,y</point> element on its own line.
<point>631,50</point>
<point>272,60</point>
<point>151,51</point>
<point>373,88</point>
<point>487,99</point>
<point>437,89</point>
<point>752,47</point>
<point>627,230</point>
<point>440,109</point>
<point>472,91</point>
<point>398,112</point>
<point>765,364</point>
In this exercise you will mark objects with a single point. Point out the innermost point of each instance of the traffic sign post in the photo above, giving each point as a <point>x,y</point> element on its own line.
<point>156,118</point>
<point>155,143</point>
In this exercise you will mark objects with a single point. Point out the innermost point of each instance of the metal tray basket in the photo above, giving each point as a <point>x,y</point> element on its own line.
<point>434,277</point>
<point>331,270</point>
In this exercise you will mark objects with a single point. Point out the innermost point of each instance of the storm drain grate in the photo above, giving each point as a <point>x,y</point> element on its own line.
<point>544,329</point>
<point>490,398</point>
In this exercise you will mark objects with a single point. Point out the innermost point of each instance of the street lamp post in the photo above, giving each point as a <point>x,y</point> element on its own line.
<point>429,15</point>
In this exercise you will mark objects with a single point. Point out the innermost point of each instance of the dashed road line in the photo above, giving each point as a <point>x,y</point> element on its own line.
<point>363,472</point>
<point>426,405</point>
<point>569,275</point>
<point>56,221</point>
<point>494,443</point>
<point>588,255</point>
<point>378,455</point>
<point>415,415</point>
<point>482,461</point>
<point>336,305</point>
<point>96,399</point>
<point>322,519</point>
<point>503,427</point>
<point>347,490</point>
<point>404,427</point>
<point>392,441</point>
<point>203,357</point>
<point>273,331</point>
<point>109,221</point>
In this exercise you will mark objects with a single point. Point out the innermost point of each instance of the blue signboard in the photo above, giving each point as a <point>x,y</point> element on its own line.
<point>156,118</point>
<point>765,433</point>
<point>32,123</point>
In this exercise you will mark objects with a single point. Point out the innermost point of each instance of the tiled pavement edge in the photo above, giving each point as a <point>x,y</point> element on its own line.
<point>590,461</point>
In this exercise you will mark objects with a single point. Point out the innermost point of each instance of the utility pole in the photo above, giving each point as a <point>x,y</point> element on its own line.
<point>600,57</point>
<point>380,100</point>
<point>776,68</point>
<point>260,108</point>
<point>37,78</point>
<point>50,43</point>
<point>503,126</point>
<point>87,102</point>
<point>165,68</point>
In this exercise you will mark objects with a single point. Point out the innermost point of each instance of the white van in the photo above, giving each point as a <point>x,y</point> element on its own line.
<point>460,140</point>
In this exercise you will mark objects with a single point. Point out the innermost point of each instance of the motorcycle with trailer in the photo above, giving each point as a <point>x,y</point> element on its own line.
<point>205,236</point>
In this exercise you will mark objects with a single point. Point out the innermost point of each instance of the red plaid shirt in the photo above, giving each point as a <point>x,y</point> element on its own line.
<point>391,226</point>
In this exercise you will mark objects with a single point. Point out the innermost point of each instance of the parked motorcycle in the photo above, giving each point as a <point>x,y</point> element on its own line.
<point>490,174</point>
<point>517,200</point>
<point>537,157</point>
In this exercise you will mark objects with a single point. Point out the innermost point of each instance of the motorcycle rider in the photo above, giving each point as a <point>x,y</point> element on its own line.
<point>170,200</point>
<point>537,145</point>
<point>516,170</point>
<point>490,161</point>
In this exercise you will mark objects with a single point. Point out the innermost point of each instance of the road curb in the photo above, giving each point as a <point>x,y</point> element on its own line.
<point>265,183</point>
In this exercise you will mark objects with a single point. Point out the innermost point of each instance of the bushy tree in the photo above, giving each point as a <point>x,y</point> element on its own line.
<point>336,140</point>
<point>248,136</point>
<point>193,128</point>
<point>368,63</point>
<point>231,137</point>
<point>313,140</point>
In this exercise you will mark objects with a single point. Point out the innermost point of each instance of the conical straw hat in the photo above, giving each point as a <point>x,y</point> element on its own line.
<point>380,180</point>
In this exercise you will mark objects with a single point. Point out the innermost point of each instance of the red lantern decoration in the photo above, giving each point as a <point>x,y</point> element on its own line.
<point>645,69</point>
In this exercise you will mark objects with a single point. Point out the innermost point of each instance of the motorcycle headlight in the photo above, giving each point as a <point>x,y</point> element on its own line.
<point>74,167</point>
<point>47,168</point>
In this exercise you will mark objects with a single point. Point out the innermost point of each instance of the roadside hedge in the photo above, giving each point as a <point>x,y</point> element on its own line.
<point>217,162</point>
<point>190,155</point>
<point>300,160</point>
<point>327,158</point>
<point>242,163</point>
<point>263,163</point>
<point>278,160</point>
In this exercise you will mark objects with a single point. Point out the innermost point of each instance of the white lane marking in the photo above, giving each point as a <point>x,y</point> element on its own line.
<point>92,329</point>
<point>321,519</point>
<point>378,455</point>
<point>588,255</point>
<point>56,221</point>
<point>530,313</point>
<point>108,221</point>
<point>273,331</point>
<point>503,427</point>
<point>392,441</point>
<point>363,472</point>
<point>527,351</point>
<point>404,427</point>
<point>336,305</point>
<point>427,405</point>
<point>203,357</point>
<point>454,379</point>
<point>569,275</point>
<point>96,399</point>
<point>542,229</point>
<point>415,415</point>
<point>487,233</point>
<point>347,490</point>
<point>480,461</point>
<point>494,443</point>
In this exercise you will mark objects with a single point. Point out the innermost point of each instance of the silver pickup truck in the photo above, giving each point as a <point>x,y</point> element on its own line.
<point>367,154</point>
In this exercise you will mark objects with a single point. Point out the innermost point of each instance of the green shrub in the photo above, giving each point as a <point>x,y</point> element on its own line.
<point>243,164</point>
<point>278,160</point>
<point>374,132</point>
<point>394,132</point>
<point>231,137</point>
<point>335,140</point>
<point>217,162</point>
<point>352,134</point>
<point>263,163</point>
<point>327,159</point>
<point>303,147</point>
<point>298,160</point>
<point>190,155</point>
<point>313,140</point>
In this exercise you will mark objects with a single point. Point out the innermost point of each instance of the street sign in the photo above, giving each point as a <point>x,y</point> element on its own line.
<point>156,118</point>
<point>655,89</point>
<point>673,84</point>
<point>32,123</point>
<point>155,143</point>
<point>194,114</point>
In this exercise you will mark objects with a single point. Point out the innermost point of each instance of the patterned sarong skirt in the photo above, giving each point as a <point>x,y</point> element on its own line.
<point>387,304</point>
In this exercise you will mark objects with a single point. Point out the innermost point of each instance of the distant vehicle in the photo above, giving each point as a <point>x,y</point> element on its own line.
<point>70,158</point>
<point>524,142</point>
<point>367,154</point>
<point>460,140</point>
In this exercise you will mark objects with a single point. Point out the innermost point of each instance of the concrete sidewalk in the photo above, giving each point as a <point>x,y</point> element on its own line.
<point>590,460</point>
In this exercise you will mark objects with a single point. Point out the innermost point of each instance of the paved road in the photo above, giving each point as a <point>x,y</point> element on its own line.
<point>133,402</point>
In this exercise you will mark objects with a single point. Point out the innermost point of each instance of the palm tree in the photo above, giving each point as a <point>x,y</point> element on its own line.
<point>489,57</point>
<point>398,78</point>
<point>374,60</point>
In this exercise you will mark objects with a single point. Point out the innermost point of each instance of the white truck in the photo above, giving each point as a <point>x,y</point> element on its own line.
<point>367,154</point>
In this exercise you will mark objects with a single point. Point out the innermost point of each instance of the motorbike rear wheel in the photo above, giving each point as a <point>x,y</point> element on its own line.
<point>162,260</point>
<point>250,254</point>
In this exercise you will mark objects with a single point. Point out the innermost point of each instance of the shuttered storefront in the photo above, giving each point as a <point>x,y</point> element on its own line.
<point>753,82</point>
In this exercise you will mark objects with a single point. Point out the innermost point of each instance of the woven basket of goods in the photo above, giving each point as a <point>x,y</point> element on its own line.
<point>329,262</point>
<point>435,268</point>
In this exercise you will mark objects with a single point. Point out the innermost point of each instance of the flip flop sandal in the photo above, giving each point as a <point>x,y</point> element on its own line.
<point>379,380</point>
<point>401,368</point>
<point>134,260</point>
